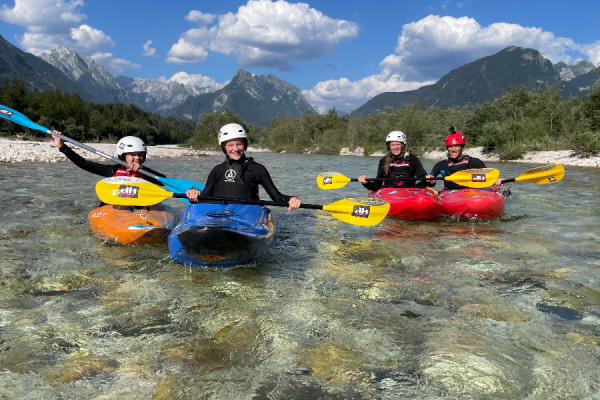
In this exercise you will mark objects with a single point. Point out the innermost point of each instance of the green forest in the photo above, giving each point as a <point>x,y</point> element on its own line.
<point>86,121</point>
<point>516,122</point>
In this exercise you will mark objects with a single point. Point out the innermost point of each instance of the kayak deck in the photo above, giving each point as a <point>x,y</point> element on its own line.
<point>132,225</point>
<point>486,203</point>
<point>221,235</point>
<point>411,203</point>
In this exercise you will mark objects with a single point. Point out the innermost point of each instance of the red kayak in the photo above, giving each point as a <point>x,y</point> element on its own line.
<point>410,203</point>
<point>486,203</point>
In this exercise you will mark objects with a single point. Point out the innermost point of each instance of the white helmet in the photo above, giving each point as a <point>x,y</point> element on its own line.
<point>396,136</point>
<point>232,131</point>
<point>130,144</point>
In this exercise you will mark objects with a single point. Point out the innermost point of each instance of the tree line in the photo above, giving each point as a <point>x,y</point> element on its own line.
<point>86,121</point>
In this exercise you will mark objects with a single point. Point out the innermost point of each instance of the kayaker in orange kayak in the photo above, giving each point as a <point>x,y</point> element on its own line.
<point>397,164</point>
<point>457,161</point>
<point>130,149</point>
<point>238,176</point>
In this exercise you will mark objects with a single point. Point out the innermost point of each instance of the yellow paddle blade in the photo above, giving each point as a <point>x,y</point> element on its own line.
<point>127,191</point>
<point>475,178</point>
<point>359,210</point>
<point>332,180</point>
<point>543,175</point>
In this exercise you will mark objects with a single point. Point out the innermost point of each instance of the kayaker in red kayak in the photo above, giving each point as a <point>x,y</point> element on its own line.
<point>130,149</point>
<point>455,143</point>
<point>238,176</point>
<point>396,164</point>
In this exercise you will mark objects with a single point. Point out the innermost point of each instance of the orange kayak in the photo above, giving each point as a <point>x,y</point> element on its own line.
<point>132,225</point>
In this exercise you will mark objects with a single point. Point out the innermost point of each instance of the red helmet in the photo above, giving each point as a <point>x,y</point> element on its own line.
<point>455,138</point>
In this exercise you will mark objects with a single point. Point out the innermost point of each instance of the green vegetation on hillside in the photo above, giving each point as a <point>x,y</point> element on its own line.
<point>86,121</point>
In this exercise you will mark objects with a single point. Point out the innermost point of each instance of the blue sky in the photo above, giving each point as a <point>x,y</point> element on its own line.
<point>340,53</point>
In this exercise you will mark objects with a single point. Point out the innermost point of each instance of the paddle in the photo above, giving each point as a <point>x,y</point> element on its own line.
<point>177,185</point>
<point>473,178</point>
<point>356,211</point>
<point>543,175</point>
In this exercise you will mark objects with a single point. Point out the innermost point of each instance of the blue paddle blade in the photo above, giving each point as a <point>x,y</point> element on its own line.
<point>180,185</point>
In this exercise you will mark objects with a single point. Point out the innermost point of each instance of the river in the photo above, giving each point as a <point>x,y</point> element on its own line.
<point>449,309</point>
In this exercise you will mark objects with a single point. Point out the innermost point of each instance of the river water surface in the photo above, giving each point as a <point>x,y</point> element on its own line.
<point>450,309</point>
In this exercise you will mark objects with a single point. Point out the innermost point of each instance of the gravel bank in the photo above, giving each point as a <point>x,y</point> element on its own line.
<point>18,151</point>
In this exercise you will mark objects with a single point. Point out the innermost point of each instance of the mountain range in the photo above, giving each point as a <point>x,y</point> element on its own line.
<point>91,76</point>
<point>255,99</point>
<point>163,97</point>
<point>35,72</point>
<point>487,78</point>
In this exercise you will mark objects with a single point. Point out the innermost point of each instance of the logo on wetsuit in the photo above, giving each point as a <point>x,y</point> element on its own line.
<point>327,180</point>
<point>230,175</point>
<point>6,112</point>
<point>478,178</point>
<point>361,211</point>
<point>130,192</point>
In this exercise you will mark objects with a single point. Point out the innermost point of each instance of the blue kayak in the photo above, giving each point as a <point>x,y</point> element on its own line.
<point>221,235</point>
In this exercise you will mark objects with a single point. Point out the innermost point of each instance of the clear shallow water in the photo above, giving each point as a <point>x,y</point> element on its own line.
<point>502,309</point>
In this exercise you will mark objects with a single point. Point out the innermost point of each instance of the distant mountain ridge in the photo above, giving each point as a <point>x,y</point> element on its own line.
<point>570,72</point>
<point>255,99</point>
<point>484,80</point>
<point>163,97</point>
<point>35,72</point>
<point>90,75</point>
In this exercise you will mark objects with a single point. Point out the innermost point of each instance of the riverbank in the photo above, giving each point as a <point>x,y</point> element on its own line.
<point>46,151</point>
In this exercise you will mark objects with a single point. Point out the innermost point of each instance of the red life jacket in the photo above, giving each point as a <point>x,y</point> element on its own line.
<point>122,171</point>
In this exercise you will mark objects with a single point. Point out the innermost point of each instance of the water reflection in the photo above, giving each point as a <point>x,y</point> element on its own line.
<point>499,309</point>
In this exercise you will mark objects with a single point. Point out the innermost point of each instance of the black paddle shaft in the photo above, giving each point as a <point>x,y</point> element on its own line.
<point>399,179</point>
<point>223,200</point>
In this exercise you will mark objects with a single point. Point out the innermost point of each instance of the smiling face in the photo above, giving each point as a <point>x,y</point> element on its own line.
<point>234,148</point>
<point>138,157</point>
<point>455,151</point>
<point>396,147</point>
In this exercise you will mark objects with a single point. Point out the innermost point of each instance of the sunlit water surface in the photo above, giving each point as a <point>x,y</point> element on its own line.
<point>501,309</point>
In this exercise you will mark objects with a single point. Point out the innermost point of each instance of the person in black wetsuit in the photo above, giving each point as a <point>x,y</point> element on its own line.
<point>397,164</point>
<point>238,176</point>
<point>457,161</point>
<point>130,149</point>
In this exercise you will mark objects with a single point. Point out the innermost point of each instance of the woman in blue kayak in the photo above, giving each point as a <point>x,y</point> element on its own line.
<point>238,176</point>
<point>130,149</point>
<point>396,164</point>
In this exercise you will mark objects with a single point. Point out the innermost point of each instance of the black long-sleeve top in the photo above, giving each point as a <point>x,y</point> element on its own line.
<point>101,169</point>
<point>405,165</point>
<point>448,167</point>
<point>253,175</point>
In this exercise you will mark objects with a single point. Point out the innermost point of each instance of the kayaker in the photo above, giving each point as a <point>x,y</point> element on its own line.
<point>130,149</point>
<point>457,161</point>
<point>396,164</point>
<point>238,176</point>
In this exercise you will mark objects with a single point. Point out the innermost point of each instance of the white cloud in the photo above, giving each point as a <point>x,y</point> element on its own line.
<point>149,51</point>
<point>593,52</point>
<point>185,52</point>
<point>199,18</point>
<point>434,45</point>
<point>52,23</point>
<point>346,95</point>
<point>114,65</point>
<point>192,79</point>
<point>264,33</point>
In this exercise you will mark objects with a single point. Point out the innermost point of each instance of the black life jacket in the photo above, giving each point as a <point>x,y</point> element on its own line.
<point>457,166</point>
<point>399,167</point>
<point>232,184</point>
